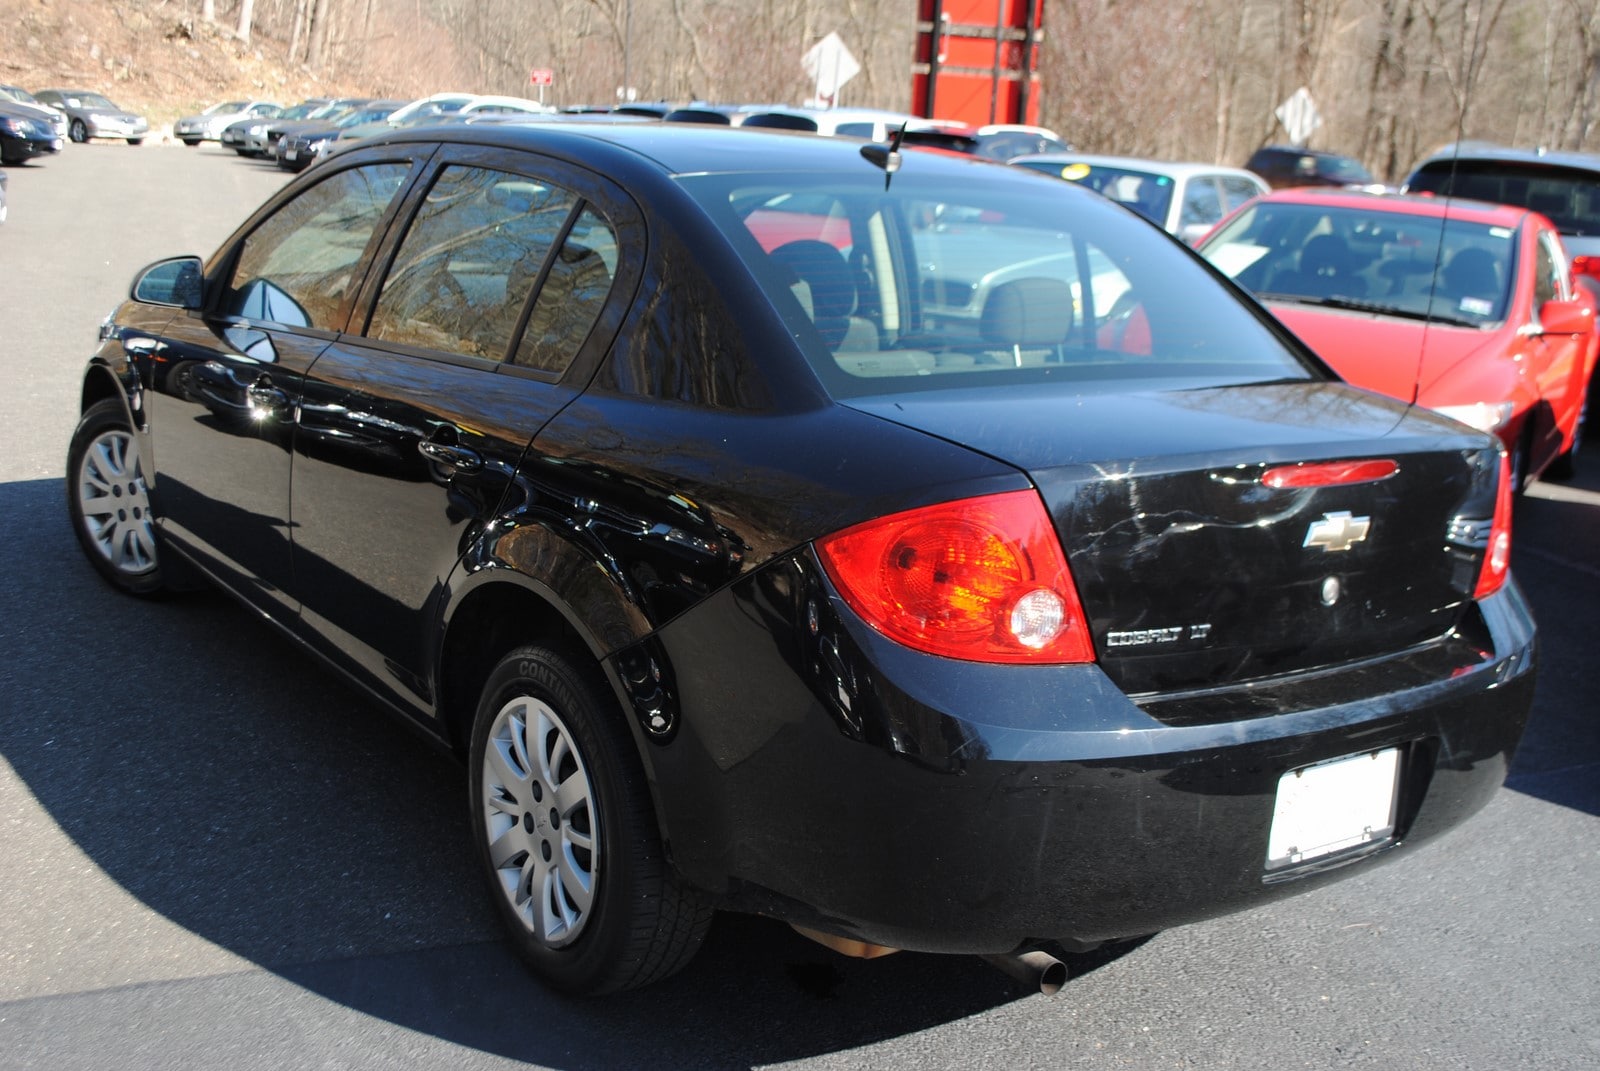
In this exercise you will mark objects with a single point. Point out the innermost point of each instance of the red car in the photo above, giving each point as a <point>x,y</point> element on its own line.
<point>1465,308</point>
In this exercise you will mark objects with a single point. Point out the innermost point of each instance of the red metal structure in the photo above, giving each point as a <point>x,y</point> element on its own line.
<point>977,60</point>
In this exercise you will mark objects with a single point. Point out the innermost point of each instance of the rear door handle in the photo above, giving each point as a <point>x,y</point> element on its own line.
<point>457,457</point>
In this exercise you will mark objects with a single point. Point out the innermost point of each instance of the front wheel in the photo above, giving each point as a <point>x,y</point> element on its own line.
<point>566,833</point>
<point>109,503</point>
<point>191,142</point>
<point>78,132</point>
<point>140,141</point>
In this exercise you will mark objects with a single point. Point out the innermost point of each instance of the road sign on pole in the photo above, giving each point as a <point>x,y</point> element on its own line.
<point>830,65</point>
<point>1299,116</point>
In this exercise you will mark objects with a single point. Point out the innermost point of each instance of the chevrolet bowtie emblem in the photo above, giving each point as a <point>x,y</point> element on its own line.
<point>1337,531</point>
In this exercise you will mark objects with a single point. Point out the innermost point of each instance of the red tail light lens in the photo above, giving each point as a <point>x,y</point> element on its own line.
<point>1497,556</point>
<point>981,579</point>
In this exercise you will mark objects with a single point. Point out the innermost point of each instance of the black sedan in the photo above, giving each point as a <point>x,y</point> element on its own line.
<point>903,547</point>
<point>24,136</point>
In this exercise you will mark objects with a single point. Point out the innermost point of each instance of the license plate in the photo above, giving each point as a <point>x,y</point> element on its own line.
<point>1332,806</point>
<point>55,145</point>
<point>289,154</point>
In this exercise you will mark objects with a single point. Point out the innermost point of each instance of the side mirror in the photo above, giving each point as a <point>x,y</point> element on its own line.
<point>179,282</point>
<point>1566,317</point>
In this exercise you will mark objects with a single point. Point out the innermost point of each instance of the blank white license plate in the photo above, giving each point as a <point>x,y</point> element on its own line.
<point>290,155</point>
<point>1333,806</point>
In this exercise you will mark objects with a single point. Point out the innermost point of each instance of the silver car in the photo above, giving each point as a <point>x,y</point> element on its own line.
<point>209,124</point>
<point>91,115</point>
<point>1186,200</point>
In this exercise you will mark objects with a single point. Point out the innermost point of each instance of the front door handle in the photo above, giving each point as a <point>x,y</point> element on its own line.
<point>265,398</point>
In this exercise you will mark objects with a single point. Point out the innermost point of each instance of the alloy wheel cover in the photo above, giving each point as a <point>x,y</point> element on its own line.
<point>541,821</point>
<point>115,503</point>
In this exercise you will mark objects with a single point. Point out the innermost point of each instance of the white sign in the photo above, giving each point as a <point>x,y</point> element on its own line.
<point>830,65</point>
<point>1299,116</point>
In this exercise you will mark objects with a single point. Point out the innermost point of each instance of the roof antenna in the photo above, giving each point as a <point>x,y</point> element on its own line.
<point>886,158</point>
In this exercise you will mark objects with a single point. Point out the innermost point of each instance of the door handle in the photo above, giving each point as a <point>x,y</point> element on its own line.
<point>457,457</point>
<point>264,397</point>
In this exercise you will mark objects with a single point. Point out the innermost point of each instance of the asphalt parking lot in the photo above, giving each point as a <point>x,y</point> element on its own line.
<point>216,855</point>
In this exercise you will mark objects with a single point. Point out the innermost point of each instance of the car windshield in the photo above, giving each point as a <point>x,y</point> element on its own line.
<point>1144,192</point>
<point>1568,197</point>
<point>365,115</point>
<point>301,111</point>
<point>949,280</point>
<point>90,100</point>
<point>1344,169</point>
<point>225,108</point>
<point>1395,263</point>
<point>21,96</point>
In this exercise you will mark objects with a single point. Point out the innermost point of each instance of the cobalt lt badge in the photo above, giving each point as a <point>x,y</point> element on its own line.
<point>1337,531</point>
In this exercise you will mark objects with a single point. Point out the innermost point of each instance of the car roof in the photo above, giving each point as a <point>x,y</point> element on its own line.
<point>678,148</point>
<point>1177,169</point>
<point>1482,151</point>
<point>1402,204</point>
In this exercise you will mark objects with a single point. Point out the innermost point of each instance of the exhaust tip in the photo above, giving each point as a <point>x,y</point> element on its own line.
<point>1037,969</point>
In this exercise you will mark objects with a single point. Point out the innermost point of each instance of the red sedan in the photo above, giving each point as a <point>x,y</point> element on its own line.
<point>1465,308</point>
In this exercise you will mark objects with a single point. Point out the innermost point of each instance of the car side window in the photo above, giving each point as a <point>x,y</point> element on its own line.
<point>469,261</point>
<point>1201,203</point>
<point>1547,280</point>
<point>1236,191</point>
<point>297,267</point>
<point>571,297</point>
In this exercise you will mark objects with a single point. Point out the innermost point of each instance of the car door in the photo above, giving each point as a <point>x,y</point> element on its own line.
<point>481,327</point>
<point>228,389</point>
<point>1557,360</point>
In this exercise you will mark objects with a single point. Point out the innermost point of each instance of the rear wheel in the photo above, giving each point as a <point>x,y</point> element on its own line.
<point>191,142</point>
<point>109,503</point>
<point>135,141</point>
<point>566,833</point>
<point>78,132</point>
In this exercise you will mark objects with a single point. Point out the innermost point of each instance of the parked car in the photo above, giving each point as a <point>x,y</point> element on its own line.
<point>24,136</point>
<point>1286,166</point>
<point>248,137</point>
<point>1467,308</point>
<point>869,123</point>
<point>625,463</point>
<point>317,119</point>
<point>299,148</point>
<point>1564,187</point>
<point>1183,199</point>
<point>16,96</point>
<point>91,115</point>
<point>209,124</point>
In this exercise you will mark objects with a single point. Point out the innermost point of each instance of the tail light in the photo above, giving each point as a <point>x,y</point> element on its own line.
<point>1497,555</point>
<point>982,579</point>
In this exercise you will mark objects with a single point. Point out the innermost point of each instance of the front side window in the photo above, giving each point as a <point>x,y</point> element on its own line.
<point>1202,205</point>
<point>464,271</point>
<point>297,268</point>
<point>1549,274</point>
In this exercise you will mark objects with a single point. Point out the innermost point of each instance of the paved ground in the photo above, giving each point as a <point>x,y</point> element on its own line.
<point>214,855</point>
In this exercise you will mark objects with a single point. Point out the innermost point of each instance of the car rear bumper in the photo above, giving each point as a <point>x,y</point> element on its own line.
<point>831,778</point>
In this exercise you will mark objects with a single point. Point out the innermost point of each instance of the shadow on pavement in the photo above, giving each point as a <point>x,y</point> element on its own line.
<point>223,778</point>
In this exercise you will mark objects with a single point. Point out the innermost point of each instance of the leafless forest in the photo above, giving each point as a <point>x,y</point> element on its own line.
<point>1195,79</point>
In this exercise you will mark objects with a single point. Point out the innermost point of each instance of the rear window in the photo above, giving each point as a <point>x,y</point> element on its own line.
<point>942,281</point>
<point>1568,197</point>
<point>1144,192</point>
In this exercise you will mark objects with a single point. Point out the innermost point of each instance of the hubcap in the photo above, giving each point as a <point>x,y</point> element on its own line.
<point>540,819</point>
<point>116,504</point>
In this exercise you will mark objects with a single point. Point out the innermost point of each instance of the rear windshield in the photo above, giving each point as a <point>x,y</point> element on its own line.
<point>1568,197</point>
<point>948,280</point>
<point>1408,266</point>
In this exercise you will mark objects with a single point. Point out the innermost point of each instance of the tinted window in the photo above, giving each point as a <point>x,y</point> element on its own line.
<point>944,281</point>
<point>297,268</point>
<point>1570,198</point>
<point>470,259</point>
<point>1144,192</point>
<point>571,296</point>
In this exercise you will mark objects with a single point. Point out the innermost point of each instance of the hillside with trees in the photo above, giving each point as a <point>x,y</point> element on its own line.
<point>1193,79</point>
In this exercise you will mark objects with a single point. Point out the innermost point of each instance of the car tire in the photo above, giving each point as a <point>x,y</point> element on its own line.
<point>191,142</point>
<point>135,141</point>
<point>78,132</point>
<point>582,886</point>
<point>109,503</point>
